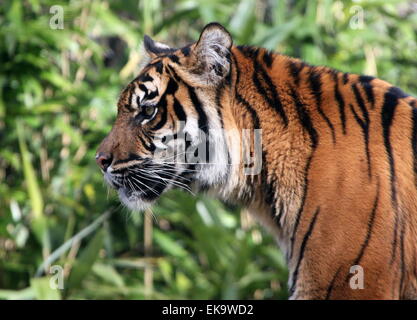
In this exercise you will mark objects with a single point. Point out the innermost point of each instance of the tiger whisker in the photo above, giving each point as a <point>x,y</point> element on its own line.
<point>175,183</point>
<point>150,188</point>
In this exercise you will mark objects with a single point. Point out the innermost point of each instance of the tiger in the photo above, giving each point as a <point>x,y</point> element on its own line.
<point>332,172</point>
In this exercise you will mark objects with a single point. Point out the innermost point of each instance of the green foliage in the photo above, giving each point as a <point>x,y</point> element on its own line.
<point>58,90</point>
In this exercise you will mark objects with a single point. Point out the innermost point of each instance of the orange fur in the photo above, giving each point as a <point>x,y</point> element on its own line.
<point>338,181</point>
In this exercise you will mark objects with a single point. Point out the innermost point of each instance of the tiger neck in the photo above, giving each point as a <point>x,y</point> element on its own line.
<point>274,193</point>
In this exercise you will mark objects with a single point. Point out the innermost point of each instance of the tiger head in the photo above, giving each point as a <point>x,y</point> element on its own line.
<point>168,130</point>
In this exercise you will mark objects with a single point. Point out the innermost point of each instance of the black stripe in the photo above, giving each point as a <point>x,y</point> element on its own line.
<point>159,67</point>
<point>128,107</point>
<point>179,111</point>
<point>315,85</point>
<point>243,101</point>
<point>341,105</point>
<point>295,69</point>
<point>248,106</point>
<point>270,94</point>
<point>394,240</point>
<point>414,142</point>
<point>248,51</point>
<point>202,118</point>
<point>172,86</point>
<point>361,103</point>
<point>366,84</point>
<point>269,188</point>
<point>366,79</point>
<point>143,88</point>
<point>144,78</point>
<point>131,91</point>
<point>186,51</point>
<point>162,106</point>
<point>402,237</point>
<point>301,209</point>
<point>151,148</point>
<point>138,101</point>
<point>152,95</point>
<point>174,59</point>
<point>269,193</point>
<point>398,92</point>
<point>365,133</point>
<point>387,116</point>
<point>304,117</point>
<point>228,78</point>
<point>345,78</point>
<point>370,227</point>
<point>306,237</point>
<point>331,284</point>
<point>363,123</point>
<point>130,157</point>
<point>369,94</point>
<point>268,58</point>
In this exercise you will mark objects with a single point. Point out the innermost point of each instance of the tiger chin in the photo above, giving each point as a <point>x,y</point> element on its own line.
<point>331,173</point>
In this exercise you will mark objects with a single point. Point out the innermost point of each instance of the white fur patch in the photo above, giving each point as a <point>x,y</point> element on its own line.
<point>133,202</point>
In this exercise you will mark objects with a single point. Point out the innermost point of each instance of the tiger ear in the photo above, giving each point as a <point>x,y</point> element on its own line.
<point>212,54</point>
<point>154,49</point>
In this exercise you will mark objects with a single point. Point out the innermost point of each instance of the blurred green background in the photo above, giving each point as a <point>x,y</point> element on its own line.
<point>58,93</point>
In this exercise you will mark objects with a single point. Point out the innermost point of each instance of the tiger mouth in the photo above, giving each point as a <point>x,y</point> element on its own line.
<point>141,189</point>
<point>138,186</point>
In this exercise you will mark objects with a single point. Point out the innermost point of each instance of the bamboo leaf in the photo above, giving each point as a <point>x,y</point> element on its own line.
<point>85,262</point>
<point>43,290</point>
<point>30,176</point>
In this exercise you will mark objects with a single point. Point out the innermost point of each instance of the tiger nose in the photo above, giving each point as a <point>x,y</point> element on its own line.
<point>104,160</point>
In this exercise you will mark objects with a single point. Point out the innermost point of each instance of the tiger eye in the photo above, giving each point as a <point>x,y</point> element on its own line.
<point>149,110</point>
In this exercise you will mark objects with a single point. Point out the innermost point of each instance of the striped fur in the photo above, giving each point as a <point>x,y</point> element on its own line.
<point>339,157</point>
